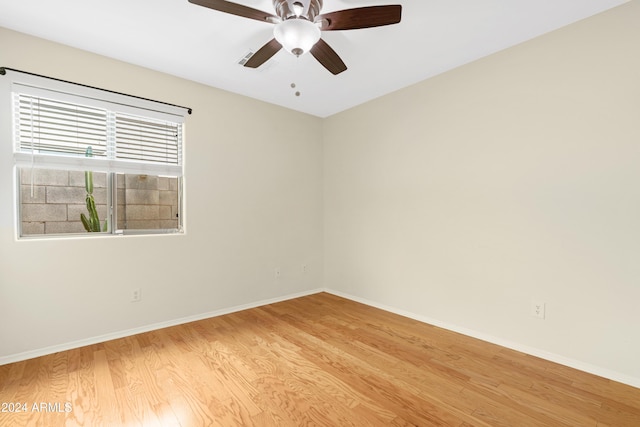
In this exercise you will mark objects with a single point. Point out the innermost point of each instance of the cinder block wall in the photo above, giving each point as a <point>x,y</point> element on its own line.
<point>150,202</point>
<point>53,201</point>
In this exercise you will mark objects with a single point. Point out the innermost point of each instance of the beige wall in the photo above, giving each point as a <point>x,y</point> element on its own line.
<point>463,198</point>
<point>253,204</point>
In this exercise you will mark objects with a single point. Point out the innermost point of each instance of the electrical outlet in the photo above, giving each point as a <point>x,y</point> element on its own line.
<point>136,295</point>
<point>538,309</point>
<point>305,268</point>
<point>277,273</point>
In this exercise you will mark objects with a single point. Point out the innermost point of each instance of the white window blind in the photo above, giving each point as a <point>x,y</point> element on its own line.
<point>46,126</point>
<point>55,129</point>
<point>148,140</point>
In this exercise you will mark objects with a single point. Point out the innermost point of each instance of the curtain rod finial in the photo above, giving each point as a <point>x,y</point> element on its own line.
<point>2,71</point>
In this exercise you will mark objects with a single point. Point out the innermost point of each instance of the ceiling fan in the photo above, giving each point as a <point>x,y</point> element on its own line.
<point>298,25</point>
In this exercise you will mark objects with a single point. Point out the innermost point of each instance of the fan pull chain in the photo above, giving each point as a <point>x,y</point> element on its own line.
<point>296,75</point>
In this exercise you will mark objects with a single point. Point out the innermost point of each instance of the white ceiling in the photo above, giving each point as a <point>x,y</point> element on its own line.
<point>200,44</point>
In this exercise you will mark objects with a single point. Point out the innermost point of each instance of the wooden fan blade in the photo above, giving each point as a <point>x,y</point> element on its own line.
<point>327,57</point>
<point>237,9</point>
<point>263,54</point>
<point>361,17</point>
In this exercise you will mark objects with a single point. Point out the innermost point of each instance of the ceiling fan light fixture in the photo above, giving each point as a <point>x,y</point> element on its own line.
<point>297,36</point>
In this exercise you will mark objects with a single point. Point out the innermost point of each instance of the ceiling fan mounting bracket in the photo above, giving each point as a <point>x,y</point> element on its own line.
<point>290,9</point>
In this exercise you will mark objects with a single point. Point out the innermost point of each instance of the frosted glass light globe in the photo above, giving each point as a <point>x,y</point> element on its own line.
<point>297,35</point>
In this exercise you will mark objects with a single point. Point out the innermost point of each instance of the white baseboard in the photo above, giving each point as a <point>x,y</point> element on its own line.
<point>552,357</point>
<point>18,357</point>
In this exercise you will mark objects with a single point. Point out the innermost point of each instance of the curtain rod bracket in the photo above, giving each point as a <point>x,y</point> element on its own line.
<point>3,71</point>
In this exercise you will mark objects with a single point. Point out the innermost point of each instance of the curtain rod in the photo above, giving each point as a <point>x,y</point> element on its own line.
<point>3,71</point>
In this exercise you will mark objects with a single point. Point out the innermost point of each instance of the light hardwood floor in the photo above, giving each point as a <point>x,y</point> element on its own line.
<point>314,361</point>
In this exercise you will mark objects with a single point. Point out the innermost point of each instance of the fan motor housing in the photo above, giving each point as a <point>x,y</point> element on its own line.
<point>286,9</point>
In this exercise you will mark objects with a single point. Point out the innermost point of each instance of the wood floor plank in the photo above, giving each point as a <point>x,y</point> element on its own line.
<point>104,390</point>
<point>319,360</point>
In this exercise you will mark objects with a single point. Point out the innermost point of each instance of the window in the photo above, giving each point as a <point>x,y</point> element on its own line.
<point>94,162</point>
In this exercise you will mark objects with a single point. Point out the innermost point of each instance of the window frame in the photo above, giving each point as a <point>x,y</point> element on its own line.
<point>113,102</point>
